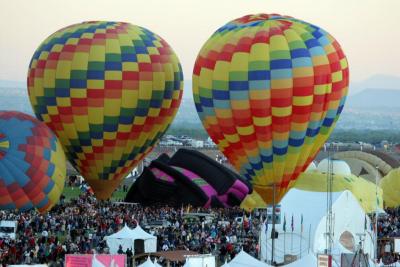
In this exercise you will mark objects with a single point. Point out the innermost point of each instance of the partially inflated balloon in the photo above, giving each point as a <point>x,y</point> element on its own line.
<point>269,90</point>
<point>32,163</point>
<point>109,90</point>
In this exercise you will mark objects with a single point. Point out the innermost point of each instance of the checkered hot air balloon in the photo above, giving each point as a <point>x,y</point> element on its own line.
<point>32,163</point>
<point>269,90</point>
<point>109,90</point>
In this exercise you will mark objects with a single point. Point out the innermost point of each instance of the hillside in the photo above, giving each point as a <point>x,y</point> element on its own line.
<point>375,98</point>
<point>368,109</point>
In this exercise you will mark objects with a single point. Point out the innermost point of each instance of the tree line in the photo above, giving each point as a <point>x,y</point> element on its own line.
<point>338,135</point>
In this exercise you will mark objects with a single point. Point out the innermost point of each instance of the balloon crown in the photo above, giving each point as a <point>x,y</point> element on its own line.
<point>258,17</point>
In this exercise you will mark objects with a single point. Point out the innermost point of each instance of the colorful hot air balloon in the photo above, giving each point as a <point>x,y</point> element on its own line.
<point>32,163</point>
<point>109,90</point>
<point>269,90</point>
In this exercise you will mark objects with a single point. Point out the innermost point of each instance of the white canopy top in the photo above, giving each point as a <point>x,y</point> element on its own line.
<point>156,263</point>
<point>139,233</point>
<point>126,239</point>
<point>245,260</point>
<point>125,232</point>
<point>147,263</point>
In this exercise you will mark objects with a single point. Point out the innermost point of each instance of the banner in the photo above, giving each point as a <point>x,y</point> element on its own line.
<point>95,260</point>
<point>397,245</point>
<point>325,260</point>
<point>205,260</point>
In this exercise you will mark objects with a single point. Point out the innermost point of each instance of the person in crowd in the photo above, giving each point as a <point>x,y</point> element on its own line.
<point>78,226</point>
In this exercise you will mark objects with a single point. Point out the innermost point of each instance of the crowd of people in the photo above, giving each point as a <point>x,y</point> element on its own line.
<point>80,226</point>
<point>388,225</point>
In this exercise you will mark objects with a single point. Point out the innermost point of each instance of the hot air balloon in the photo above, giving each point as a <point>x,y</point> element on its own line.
<point>109,90</point>
<point>32,163</point>
<point>269,90</point>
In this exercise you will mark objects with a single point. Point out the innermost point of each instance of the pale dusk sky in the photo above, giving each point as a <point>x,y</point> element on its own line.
<point>368,30</point>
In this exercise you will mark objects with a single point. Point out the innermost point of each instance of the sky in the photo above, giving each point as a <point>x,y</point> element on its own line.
<point>368,30</point>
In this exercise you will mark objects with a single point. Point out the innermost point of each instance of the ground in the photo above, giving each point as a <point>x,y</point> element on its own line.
<point>74,192</point>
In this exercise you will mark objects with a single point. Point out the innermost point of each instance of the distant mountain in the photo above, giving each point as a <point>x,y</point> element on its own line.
<point>375,81</point>
<point>14,96</point>
<point>368,109</point>
<point>375,98</point>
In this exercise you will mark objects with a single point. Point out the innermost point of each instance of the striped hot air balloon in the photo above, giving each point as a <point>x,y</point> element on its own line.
<point>32,163</point>
<point>109,90</point>
<point>269,90</point>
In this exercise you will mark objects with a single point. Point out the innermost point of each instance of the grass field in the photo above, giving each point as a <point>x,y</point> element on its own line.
<point>74,192</point>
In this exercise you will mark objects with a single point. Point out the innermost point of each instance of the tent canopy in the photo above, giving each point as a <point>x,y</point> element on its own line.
<point>147,263</point>
<point>156,263</point>
<point>126,239</point>
<point>315,181</point>
<point>125,232</point>
<point>242,259</point>
<point>139,233</point>
<point>306,211</point>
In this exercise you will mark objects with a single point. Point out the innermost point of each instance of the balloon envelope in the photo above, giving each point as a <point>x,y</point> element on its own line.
<point>32,163</point>
<point>109,90</point>
<point>269,90</point>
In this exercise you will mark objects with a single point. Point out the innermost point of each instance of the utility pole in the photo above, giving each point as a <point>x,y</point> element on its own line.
<point>273,227</point>
<point>329,215</point>
<point>376,214</point>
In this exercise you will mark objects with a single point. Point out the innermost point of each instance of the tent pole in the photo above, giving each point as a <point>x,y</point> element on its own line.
<point>301,243</point>
<point>284,244</point>
<point>291,242</point>
<point>273,227</point>
<point>329,215</point>
<point>309,238</point>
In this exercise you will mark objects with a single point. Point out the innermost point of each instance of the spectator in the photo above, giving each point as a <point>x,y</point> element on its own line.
<point>79,226</point>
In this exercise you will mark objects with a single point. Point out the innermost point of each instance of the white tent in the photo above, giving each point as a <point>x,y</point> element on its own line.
<point>242,259</point>
<point>123,237</point>
<point>150,241</point>
<point>156,263</point>
<point>188,264</point>
<point>349,220</point>
<point>126,238</point>
<point>147,263</point>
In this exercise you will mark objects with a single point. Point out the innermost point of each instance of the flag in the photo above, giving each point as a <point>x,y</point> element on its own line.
<point>365,223</point>
<point>292,225</point>
<point>301,223</point>
<point>284,223</point>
